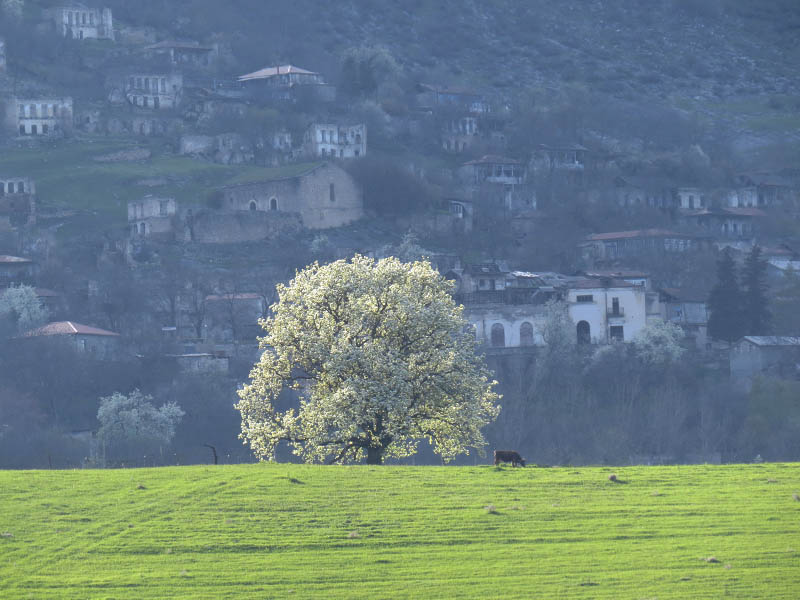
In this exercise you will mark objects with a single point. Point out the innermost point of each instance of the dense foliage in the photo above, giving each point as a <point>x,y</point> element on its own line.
<point>378,355</point>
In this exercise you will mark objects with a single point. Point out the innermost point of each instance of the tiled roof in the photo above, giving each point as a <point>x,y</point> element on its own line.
<point>618,273</point>
<point>11,260</point>
<point>68,328</point>
<point>181,45</point>
<point>773,340</point>
<point>242,296</point>
<point>269,72</point>
<point>493,159</point>
<point>638,233</point>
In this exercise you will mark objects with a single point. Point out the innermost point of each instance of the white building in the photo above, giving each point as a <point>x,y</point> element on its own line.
<point>602,310</point>
<point>339,141</point>
<point>151,216</point>
<point>39,117</point>
<point>80,22</point>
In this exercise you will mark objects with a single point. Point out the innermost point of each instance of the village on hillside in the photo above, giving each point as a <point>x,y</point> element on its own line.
<point>215,183</point>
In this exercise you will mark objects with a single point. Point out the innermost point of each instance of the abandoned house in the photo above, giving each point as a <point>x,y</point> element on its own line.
<point>499,184</point>
<point>155,91</point>
<point>431,97</point>
<point>569,156</point>
<point>688,310</point>
<point>451,215</point>
<point>606,309</point>
<point>635,191</point>
<point>151,216</point>
<point>766,189</point>
<point>459,134</point>
<point>692,198</point>
<point>324,196</point>
<point>17,202</point>
<point>16,270</point>
<point>181,53</point>
<point>338,141</point>
<point>771,355</point>
<point>283,82</point>
<point>727,222</point>
<point>97,343</point>
<point>80,22</point>
<point>623,244</point>
<point>39,117</point>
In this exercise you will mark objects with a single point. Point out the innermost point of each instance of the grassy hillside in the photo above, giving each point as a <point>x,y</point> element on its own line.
<point>69,178</point>
<point>278,531</point>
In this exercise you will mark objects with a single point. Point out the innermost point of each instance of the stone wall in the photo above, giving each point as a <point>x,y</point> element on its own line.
<point>324,197</point>
<point>228,227</point>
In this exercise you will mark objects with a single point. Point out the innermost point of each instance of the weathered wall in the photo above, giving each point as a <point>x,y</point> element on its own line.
<point>325,197</point>
<point>226,227</point>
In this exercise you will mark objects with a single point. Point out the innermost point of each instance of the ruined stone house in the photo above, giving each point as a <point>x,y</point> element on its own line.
<point>225,148</point>
<point>152,216</point>
<point>97,343</point>
<point>338,141</point>
<point>39,117</point>
<point>771,355</point>
<point>81,22</point>
<point>17,202</point>
<point>459,134</point>
<point>324,195</point>
<point>157,91</point>
<point>182,53</point>
<point>499,184</point>
<point>232,317</point>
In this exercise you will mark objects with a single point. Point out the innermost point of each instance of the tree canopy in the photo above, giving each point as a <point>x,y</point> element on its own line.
<point>381,359</point>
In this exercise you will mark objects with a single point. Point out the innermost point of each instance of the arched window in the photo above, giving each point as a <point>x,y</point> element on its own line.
<point>498,336</point>
<point>526,334</point>
<point>141,229</point>
<point>584,333</point>
<point>252,204</point>
<point>273,204</point>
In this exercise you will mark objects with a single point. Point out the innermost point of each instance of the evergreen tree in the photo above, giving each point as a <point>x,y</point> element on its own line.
<point>725,302</point>
<point>755,304</point>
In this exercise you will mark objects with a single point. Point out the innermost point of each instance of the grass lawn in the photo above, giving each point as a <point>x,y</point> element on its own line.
<point>296,531</point>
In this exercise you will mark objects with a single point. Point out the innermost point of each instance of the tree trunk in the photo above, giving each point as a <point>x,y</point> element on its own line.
<point>374,456</point>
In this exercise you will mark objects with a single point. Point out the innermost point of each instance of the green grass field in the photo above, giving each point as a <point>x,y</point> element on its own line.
<point>293,531</point>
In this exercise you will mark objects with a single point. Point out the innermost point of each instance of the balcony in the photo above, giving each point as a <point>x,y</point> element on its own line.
<point>615,314</point>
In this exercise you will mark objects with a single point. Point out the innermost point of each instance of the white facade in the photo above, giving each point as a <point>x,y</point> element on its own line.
<point>606,314</point>
<point>325,139</point>
<point>691,198</point>
<point>151,215</point>
<point>39,117</point>
<point>83,23</point>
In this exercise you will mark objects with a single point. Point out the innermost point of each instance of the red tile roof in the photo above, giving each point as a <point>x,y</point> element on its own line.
<point>68,328</point>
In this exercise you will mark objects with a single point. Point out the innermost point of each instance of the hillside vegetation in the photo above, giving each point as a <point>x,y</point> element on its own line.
<point>278,531</point>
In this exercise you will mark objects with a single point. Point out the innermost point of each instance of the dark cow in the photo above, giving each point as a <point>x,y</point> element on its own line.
<point>508,456</point>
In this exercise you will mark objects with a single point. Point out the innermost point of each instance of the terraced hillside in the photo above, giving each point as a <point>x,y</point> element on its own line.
<point>278,531</point>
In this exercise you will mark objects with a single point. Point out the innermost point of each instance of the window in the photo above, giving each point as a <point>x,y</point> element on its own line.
<point>273,204</point>
<point>34,130</point>
<point>45,128</point>
<point>22,129</point>
<point>156,102</point>
<point>332,193</point>
<point>498,336</point>
<point>163,206</point>
<point>526,334</point>
<point>616,333</point>
<point>615,306</point>
<point>585,298</point>
<point>252,205</point>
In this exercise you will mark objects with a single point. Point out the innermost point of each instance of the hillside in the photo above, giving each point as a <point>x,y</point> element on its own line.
<point>277,531</point>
